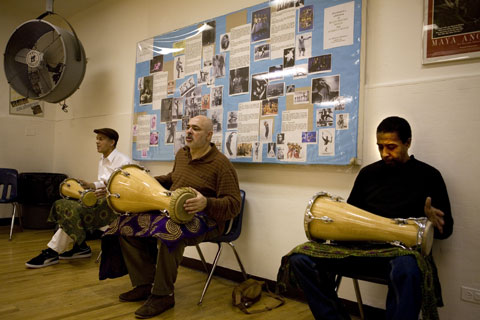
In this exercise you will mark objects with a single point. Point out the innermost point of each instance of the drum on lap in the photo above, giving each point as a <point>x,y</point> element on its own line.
<point>71,188</point>
<point>328,217</point>
<point>131,189</point>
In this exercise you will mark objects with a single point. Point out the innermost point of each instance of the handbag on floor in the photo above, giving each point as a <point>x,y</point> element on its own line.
<point>249,292</point>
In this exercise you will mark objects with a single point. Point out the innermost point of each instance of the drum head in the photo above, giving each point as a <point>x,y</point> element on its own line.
<point>89,199</point>
<point>427,239</point>
<point>177,212</point>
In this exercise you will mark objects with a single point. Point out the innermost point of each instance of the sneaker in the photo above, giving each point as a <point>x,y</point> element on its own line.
<point>77,252</point>
<point>44,259</point>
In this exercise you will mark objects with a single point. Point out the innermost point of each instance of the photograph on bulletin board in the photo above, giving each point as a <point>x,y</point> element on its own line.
<point>279,80</point>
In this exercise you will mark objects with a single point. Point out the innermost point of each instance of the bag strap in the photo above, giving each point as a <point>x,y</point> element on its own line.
<point>280,302</point>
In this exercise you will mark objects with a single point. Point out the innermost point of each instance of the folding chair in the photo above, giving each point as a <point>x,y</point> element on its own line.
<point>8,192</point>
<point>231,233</point>
<point>356,287</point>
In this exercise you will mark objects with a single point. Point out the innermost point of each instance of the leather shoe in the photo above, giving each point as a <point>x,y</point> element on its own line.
<point>136,294</point>
<point>154,306</point>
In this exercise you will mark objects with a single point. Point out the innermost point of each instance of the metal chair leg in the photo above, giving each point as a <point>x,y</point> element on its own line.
<point>359,298</point>
<point>215,261</point>
<point>238,260</point>
<point>13,221</point>
<point>99,256</point>
<point>202,258</point>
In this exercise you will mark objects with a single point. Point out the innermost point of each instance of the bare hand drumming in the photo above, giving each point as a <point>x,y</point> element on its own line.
<point>101,193</point>
<point>434,215</point>
<point>196,204</point>
<point>87,185</point>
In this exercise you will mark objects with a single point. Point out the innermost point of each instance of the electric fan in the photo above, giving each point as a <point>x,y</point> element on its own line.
<point>43,61</point>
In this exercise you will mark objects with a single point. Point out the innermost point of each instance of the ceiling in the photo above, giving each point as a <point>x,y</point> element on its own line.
<point>64,8</point>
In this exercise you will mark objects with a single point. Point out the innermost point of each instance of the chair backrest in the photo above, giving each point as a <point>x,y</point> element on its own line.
<point>233,228</point>
<point>8,185</point>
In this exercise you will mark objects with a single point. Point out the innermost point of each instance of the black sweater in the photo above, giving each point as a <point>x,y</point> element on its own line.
<point>401,191</point>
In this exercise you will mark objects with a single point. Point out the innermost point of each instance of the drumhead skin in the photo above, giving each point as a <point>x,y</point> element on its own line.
<point>89,199</point>
<point>176,211</point>
<point>427,239</point>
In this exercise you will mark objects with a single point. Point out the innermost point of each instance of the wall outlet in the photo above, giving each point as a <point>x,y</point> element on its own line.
<point>470,294</point>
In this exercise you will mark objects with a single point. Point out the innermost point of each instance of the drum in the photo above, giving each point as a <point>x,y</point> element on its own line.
<point>72,189</point>
<point>131,189</point>
<point>328,217</point>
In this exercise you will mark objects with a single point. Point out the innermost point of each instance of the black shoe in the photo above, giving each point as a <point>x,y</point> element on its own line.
<point>78,252</point>
<point>44,259</point>
<point>137,294</point>
<point>154,306</point>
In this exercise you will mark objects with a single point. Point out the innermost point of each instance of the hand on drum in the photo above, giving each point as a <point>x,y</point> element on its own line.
<point>196,204</point>
<point>434,215</point>
<point>87,185</point>
<point>101,193</point>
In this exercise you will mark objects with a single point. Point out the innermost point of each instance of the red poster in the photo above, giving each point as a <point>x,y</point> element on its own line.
<point>451,30</point>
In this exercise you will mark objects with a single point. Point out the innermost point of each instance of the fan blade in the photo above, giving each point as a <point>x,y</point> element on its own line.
<point>51,45</point>
<point>21,55</point>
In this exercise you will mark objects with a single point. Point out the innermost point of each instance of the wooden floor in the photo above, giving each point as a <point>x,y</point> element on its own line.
<point>71,289</point>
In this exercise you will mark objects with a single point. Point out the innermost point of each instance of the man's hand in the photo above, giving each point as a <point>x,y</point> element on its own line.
<point>87,185</point>
<point>196,204</point>
<point>101,193</point>
<point>434,215</point>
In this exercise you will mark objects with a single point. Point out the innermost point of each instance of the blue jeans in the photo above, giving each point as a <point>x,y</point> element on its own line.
<point>315,277</point>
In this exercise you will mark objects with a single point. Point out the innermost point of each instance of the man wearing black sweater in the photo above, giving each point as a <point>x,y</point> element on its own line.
<point>397,186</point>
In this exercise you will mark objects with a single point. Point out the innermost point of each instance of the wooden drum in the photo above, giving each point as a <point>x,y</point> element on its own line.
<point>131,189</point>
<point>72,189</point>
<point>328,217</point>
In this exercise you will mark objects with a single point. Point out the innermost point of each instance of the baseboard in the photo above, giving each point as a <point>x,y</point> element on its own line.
<point>291,293</point>
<point>7,221</point>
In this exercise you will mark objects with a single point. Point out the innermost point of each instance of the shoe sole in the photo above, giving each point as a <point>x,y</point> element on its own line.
<point>79,256</point>
<point>37,266</point>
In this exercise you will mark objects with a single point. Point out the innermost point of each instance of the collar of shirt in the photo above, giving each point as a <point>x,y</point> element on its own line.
<point>110,157</point>
<point>208,157</point>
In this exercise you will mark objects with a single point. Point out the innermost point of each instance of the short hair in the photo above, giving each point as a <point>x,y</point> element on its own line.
<point>397,125</point>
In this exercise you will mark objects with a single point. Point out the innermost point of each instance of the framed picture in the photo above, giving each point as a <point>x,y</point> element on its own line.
<point>451,30</point>
<point>20,105</point>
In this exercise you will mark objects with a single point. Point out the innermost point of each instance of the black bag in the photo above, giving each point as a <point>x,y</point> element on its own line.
<point>249,292</point>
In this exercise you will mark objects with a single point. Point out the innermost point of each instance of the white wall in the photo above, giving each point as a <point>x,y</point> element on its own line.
<point>440,101</point>
<point>32,153</point>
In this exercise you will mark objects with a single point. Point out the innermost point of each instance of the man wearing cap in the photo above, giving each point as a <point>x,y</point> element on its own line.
<point>73,218</point>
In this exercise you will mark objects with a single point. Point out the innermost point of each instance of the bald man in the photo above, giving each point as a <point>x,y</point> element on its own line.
<point>201,166</point>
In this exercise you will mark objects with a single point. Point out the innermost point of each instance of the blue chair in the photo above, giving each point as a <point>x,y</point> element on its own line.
<point>232,231</point>
<point>8,188</point>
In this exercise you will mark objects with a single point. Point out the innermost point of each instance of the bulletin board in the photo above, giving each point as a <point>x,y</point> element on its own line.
<point>280,81</point>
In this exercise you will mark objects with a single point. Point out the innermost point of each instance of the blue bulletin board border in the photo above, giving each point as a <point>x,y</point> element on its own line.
<point>308,108</point>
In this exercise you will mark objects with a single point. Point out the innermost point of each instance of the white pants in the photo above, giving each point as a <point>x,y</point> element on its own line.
<point>60,241</point>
